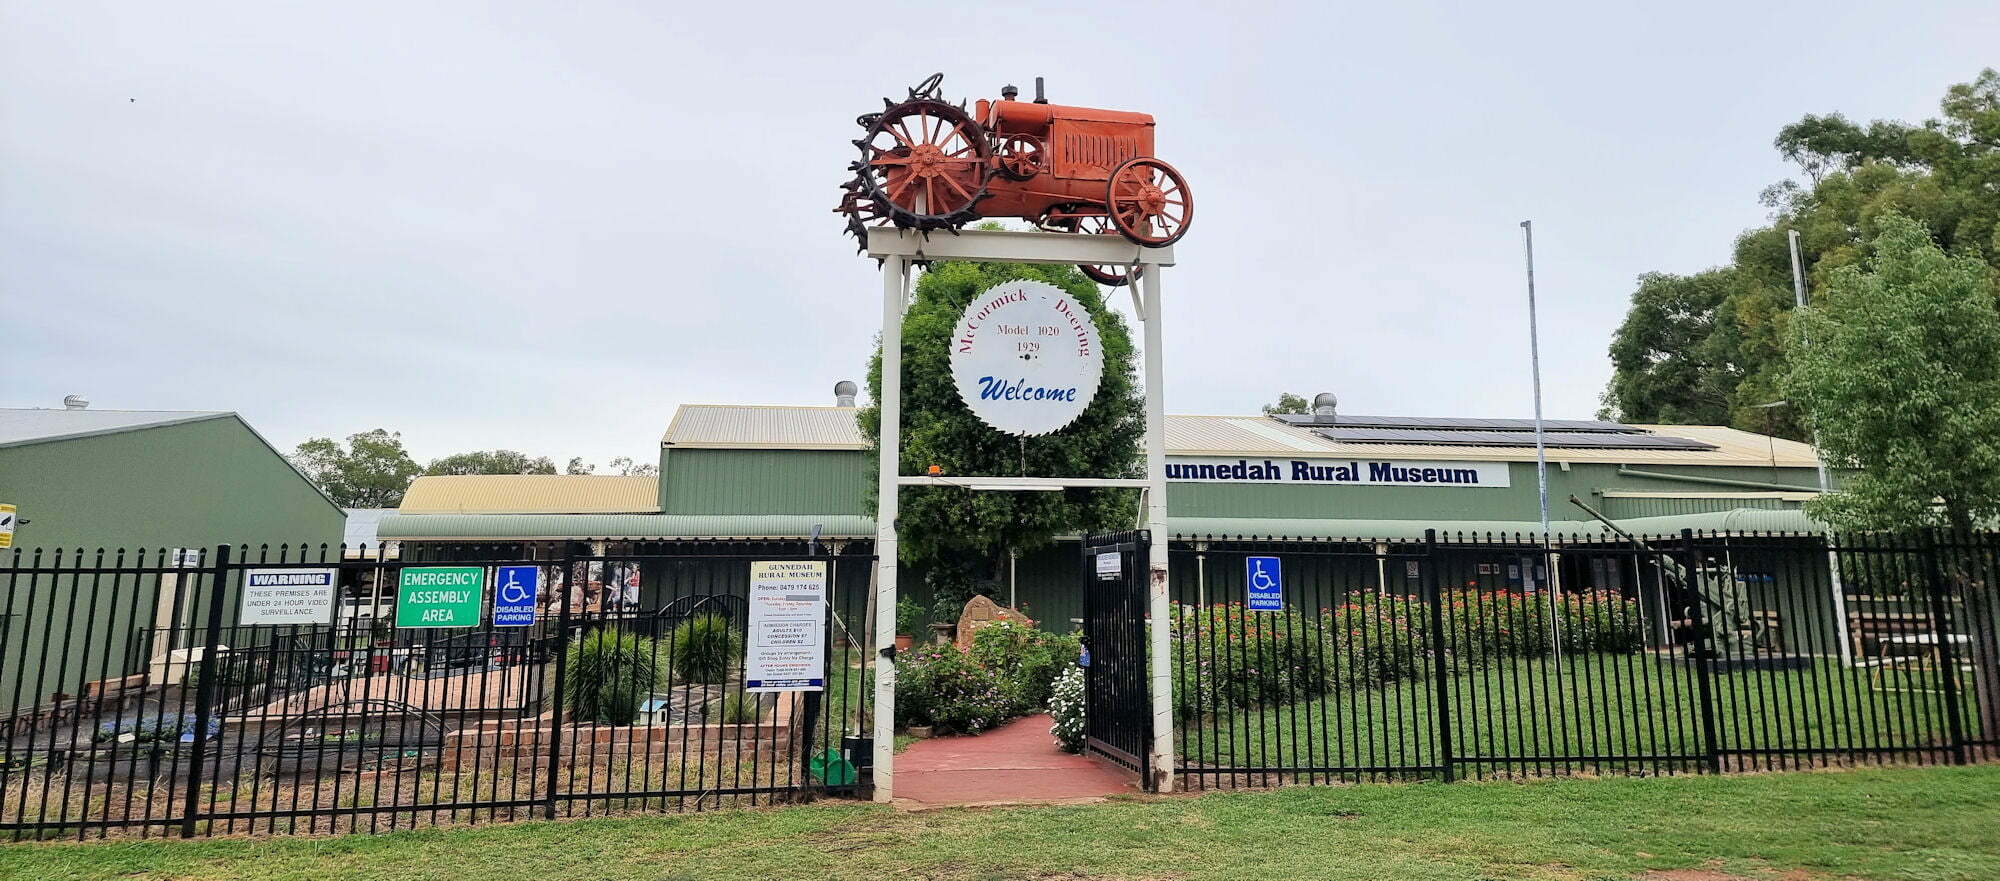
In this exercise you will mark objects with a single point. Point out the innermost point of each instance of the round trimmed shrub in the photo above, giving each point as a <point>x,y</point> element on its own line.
<point>703,648</point>
<point>609,674</point>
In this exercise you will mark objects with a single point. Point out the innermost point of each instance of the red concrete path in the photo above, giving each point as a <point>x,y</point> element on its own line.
<point>1016,762</point>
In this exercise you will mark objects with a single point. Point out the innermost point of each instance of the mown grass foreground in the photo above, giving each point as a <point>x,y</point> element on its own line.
<point>1934,824</point>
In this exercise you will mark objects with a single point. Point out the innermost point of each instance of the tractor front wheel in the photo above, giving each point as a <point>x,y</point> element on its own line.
<point>1149,202</point>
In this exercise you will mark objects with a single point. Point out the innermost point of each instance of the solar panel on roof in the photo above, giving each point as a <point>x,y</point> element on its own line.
<point>1459,424</point>
<point>1494,438</point>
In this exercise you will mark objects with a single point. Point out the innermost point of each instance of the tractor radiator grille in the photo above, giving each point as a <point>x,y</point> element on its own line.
<point>1093,155</point>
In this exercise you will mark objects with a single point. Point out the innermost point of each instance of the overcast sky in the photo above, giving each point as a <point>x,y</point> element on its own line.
<point>543,225</point>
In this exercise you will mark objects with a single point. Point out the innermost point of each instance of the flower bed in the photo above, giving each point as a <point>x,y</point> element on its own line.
<point>1228,657</point>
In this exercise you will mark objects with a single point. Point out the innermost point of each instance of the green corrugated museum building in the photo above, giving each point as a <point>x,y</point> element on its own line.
<point>127,488</point>
<point>776,475</point>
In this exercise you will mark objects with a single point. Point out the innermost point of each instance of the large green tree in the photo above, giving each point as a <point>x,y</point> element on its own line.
<point>958,537</point>
<point>1712,346</point>
<point>492,462</point>
<point>1897,365</point>
<point>371,471</point>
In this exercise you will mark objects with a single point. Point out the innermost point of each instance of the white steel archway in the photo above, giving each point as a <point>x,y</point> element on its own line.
<point>898,249</point>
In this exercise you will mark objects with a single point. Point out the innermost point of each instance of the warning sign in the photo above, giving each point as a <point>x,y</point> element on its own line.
<point>288,596</point>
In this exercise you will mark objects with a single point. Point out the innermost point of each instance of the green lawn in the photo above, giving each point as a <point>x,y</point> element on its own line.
<point>1933,824</point>
<point>1596,705</point>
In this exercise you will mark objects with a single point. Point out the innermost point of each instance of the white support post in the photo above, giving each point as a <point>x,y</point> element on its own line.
<point>895,285</point>
<point>897,248</point>
<point>1159,607</point>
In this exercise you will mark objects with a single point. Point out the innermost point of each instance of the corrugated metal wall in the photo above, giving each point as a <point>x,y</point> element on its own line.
<point>765,481</point>
<point>192,485</point>
<point>1620,508</point>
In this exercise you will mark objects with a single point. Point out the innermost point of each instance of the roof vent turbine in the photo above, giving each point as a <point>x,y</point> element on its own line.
<point>843,393</point>
<point>75,402</point>
<point>1324,407</point>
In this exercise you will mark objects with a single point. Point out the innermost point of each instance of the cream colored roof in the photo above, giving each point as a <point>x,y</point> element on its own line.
<point>834,428</point>
<point>1261,436</point>
<point>729,426</point>
<point>532,494</point>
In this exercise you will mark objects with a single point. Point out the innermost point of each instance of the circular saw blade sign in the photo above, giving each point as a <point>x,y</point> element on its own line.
<point>1026,357</point>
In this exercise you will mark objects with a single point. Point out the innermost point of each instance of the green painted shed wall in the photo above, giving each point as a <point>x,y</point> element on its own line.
<point>193,485</point>
<point>700,481</point>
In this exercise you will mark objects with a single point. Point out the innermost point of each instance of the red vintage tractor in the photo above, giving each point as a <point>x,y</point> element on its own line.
<point>929,164</point>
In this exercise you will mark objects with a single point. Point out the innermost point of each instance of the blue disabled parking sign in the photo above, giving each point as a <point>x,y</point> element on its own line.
<point>514,595</point>
<point>1266,584</point>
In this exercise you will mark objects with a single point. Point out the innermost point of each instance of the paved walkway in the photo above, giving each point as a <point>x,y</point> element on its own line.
<point>1017,762</point>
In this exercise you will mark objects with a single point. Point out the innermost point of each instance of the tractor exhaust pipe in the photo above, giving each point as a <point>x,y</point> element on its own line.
<point>1039,97</point>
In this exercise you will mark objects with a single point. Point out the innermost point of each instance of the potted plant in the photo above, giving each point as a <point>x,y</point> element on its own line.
<point>909,618</point>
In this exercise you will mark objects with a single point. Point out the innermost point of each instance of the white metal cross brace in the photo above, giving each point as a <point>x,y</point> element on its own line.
<point>898,249</point>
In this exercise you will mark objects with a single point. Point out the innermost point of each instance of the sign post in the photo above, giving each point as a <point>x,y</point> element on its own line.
<point>440,596</point>
<point>787,644</point>
<point>9,516</point>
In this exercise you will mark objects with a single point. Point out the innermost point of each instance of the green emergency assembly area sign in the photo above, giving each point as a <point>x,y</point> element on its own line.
<point>440,596</point>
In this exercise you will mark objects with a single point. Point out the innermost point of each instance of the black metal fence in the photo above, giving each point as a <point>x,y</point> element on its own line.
<point>1492,655</point>
<point>135,696</point>
<point>1118,720</point>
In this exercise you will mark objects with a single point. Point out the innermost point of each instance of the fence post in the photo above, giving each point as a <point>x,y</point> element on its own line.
<point>204,689</point>
<point>1440,668</point>
<point>560,645</point>
<point>1947,658</point>
<point>1704,653</point>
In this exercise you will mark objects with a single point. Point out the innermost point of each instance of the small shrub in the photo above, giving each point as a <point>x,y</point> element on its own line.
<point>1025,658</point>
<point>909,617</point>
<point>1602,621</point>
<point>703,648</point>
<point>610,674</point>
<point>1066,706</point>
<point>942,687</point>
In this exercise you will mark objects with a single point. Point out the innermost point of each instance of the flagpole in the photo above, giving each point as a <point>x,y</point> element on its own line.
<point>1535,364</point>
<point>1541,448</point>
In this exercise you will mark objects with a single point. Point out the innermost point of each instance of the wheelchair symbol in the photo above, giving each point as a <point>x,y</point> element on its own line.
<point>1261,580</point>
<point>513,593</point>
<point>1266,581</point>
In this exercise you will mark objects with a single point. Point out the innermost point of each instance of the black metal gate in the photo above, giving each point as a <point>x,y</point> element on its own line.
<point>1119,721</point>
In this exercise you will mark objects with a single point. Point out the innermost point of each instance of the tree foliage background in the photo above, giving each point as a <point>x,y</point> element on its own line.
<point>1708,347</point>
<point>1288,403</point>
<point>373,470</point>
<point>959,538</point>
<point>1899,363</point>
<point>370,471</point>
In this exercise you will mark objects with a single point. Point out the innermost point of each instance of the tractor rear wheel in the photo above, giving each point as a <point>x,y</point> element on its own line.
<point>925,164</point>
